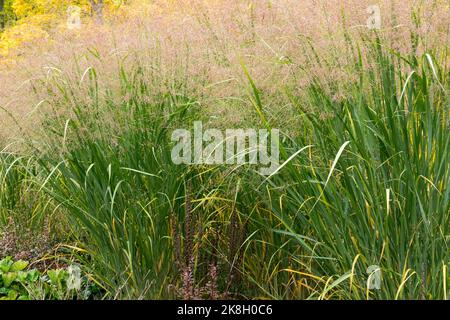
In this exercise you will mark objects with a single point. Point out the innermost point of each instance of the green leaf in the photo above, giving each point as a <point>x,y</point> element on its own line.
<point>56,276</point>
<point>12,295</point>
<point>5,264</point>
<point>19,265</point>
<point>22,276</point>
<point>33,275</point>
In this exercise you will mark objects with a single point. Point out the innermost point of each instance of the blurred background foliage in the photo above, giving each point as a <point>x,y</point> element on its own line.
<point>22,21</point>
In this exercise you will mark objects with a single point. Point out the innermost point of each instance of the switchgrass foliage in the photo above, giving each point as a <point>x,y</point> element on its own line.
<point>372,188</point>
<point>20,198</point>
<point>363,183</point>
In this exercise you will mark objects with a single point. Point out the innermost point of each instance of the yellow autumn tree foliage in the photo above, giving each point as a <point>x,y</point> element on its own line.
<point>36,17</point>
